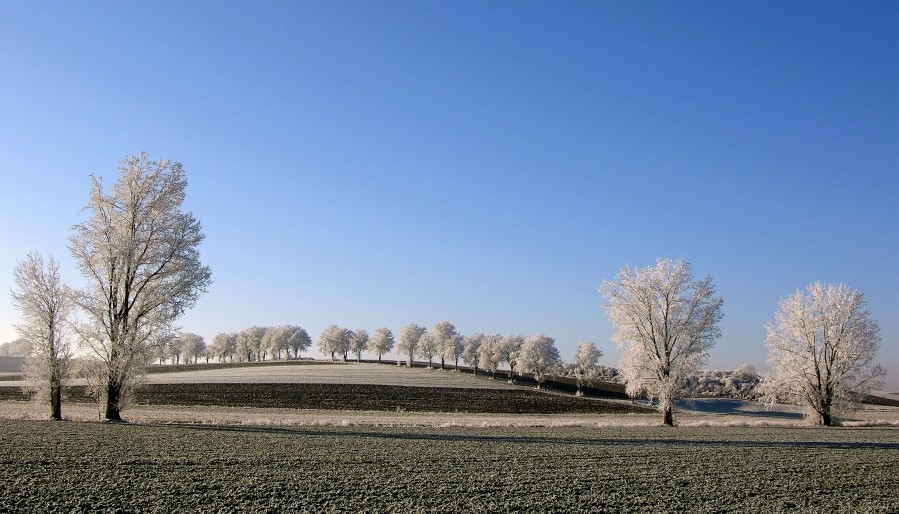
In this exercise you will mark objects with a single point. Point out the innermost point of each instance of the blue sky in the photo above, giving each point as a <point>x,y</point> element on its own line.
<point>488,163</point>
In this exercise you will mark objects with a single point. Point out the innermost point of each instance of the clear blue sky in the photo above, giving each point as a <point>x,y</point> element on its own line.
<point>487,163</point>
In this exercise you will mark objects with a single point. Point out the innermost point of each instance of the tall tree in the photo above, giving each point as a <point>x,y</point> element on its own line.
<point>539,356</point>
<point>139,253</point>
<point>666,323</point>
<point>45,304</point>
<point>382,342</point>
<point>822,345</point>
<point>408,345</point>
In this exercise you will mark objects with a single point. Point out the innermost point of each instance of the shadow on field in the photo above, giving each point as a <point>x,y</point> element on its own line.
<point>405,435</point>
<point>734,407</point>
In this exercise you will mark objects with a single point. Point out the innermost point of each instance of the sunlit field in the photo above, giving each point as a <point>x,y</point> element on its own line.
<point>379,438</point>
<point>81,467</point>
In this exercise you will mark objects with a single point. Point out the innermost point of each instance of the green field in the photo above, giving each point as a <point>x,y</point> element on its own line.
<point>85,467</point>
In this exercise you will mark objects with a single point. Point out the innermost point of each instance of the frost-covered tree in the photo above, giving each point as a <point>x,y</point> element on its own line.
<point>249,342</point>
<point>408,344</point>
<point>382,342</point>
<point>138,252</point>
<point>822,345</point>
<point>585,364</point>
<point>471,351</point>
<point>161,351</point>
<point>489,352</point>
<point>507,351</point>
<point>223,346</point>
<point>274,342</point>
<point>192,346</point>
<point>453,350</point>
<point>286,338</point>
<point>539,356</point>
<point>428,347</point>
<point>666,323</point>
<point>334,340</point>
<point>15,348</point>
<point>297,340</point>
<point>44,304</point>
<point>444,335</point>
<point>358,341</point>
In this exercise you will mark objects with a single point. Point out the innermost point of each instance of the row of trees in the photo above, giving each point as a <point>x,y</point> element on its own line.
<point>138,253</point>
<point>821,343</point>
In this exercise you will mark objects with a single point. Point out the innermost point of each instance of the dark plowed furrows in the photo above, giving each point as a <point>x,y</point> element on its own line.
<point>359,397</point>
<point>372,397</point>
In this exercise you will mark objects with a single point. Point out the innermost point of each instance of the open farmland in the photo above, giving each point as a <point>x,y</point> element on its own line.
<point>351,387</point>
<point>81,467</point>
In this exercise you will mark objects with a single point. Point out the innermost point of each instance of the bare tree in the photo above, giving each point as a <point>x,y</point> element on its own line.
<point>138,252</point>
<point>358,342</point>
<point>45,304</point>
<point>822,345</point>
<point>408,345</point>
<point>382,342</point>
<point>539,356</point>
<point>666,323</point>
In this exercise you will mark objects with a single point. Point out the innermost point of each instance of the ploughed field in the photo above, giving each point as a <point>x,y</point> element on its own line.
<point>87,467</point>
<point>371,397</point>
<point>356,387</point>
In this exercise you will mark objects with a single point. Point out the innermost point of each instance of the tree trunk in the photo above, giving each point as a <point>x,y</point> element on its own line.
<point>442,365</point>
<point>55,401</point>
<point>668,415</point>
<point>113,395</point>
<point>475,371</point>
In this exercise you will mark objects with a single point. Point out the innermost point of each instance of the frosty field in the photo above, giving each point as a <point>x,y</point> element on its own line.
<point>82,467</point>
<point>377,438</point>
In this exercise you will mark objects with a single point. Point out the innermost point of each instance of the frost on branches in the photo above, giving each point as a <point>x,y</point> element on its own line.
<point>45,304</point>
<point>382,342</point>
<point>138,252</point>
<point>539,356</point>
<point>666,323</point>
<point>822,345</point>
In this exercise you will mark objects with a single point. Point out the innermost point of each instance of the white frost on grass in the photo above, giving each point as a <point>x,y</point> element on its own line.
<point>337,373</point>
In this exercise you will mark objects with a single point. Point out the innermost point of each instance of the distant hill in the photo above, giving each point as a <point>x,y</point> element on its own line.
<point>10,364</point>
